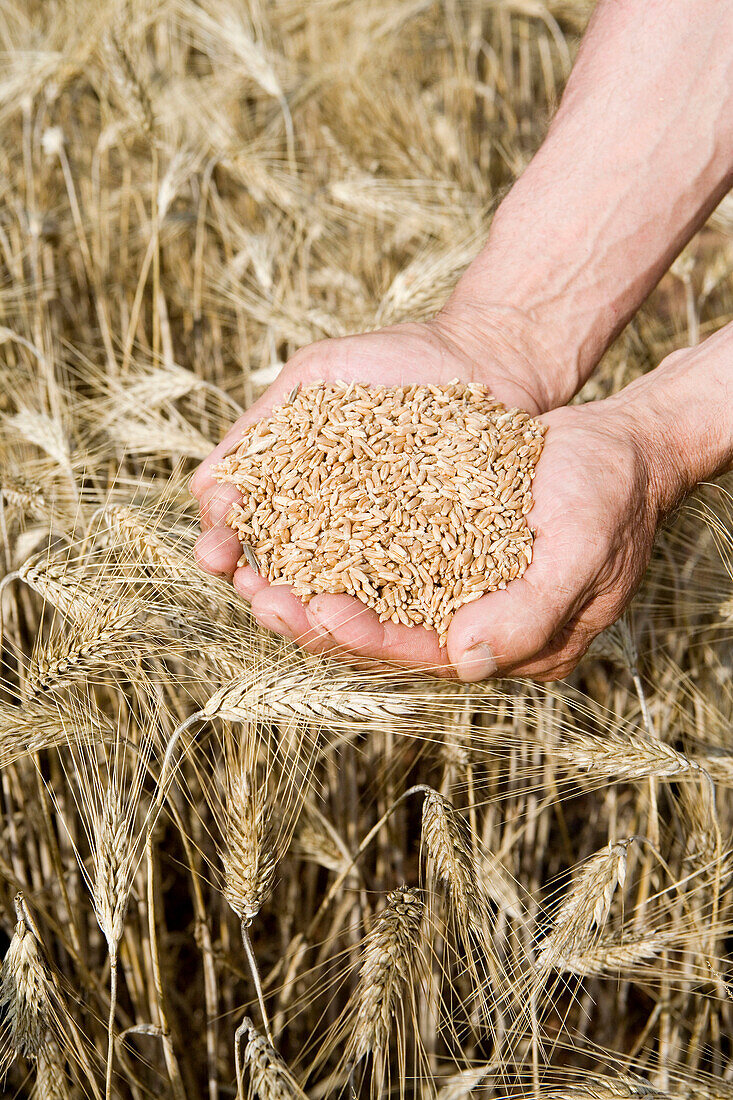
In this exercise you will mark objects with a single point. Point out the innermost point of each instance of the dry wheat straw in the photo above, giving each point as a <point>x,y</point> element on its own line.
<point>22,493</point>
<point>461,1085</point>
<point>412,498</point>
<point>131,529</point>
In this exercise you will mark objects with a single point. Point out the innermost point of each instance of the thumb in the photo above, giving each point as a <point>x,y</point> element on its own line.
<point>509,627</point>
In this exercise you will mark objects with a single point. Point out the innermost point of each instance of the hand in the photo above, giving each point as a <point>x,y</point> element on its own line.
<point>503,357</point>
<point>595,514</point>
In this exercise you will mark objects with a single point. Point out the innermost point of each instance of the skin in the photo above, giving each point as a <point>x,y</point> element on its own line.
<point>639,153</point>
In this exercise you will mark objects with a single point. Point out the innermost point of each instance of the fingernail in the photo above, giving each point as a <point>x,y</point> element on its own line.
<point>477,663</point>
<point>272,621</point>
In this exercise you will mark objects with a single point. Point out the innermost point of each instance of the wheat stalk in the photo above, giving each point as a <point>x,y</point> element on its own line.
<point>23,493</point>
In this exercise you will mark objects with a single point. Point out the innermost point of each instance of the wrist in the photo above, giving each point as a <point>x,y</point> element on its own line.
<point>681,416</point>
<point>499,336</point>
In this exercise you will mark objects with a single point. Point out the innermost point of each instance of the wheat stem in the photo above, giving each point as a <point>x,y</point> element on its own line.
<point>254,969</point>
<point>171,748</point>
<point>111,1024</point>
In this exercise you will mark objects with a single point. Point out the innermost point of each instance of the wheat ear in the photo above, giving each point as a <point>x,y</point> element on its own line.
<point>270,1078</point>
<point>586,905</point>
<point>249,863</point>
<point>25,991</point>
<point>51,1080</point>
<point>308,693</point>
<point>386,970</point>
<point>448,856</point>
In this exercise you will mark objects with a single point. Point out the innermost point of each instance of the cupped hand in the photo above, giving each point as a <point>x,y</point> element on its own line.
<point>437,352</point>
<point>594,516</point>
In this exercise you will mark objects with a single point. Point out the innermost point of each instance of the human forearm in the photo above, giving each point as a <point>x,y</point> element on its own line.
<point>639,153</point>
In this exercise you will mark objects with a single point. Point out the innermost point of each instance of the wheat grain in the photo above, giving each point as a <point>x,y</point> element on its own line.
<point>23,493</point>
<point>44,432</point>
<point>413,498</point>
<point>36,726</point>
<point>131,243</point>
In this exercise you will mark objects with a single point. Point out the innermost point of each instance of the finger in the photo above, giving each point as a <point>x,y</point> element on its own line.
<point>218,551</point>
<point>247,582</point>
<point>215,505</point>
<point>506,629</point>
<point>277,609</point>
<point>357,628</point>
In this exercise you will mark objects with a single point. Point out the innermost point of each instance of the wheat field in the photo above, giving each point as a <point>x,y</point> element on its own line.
<point>227,869</point>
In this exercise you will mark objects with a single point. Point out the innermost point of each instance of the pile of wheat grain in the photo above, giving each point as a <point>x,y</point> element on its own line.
<point>412,498</point>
